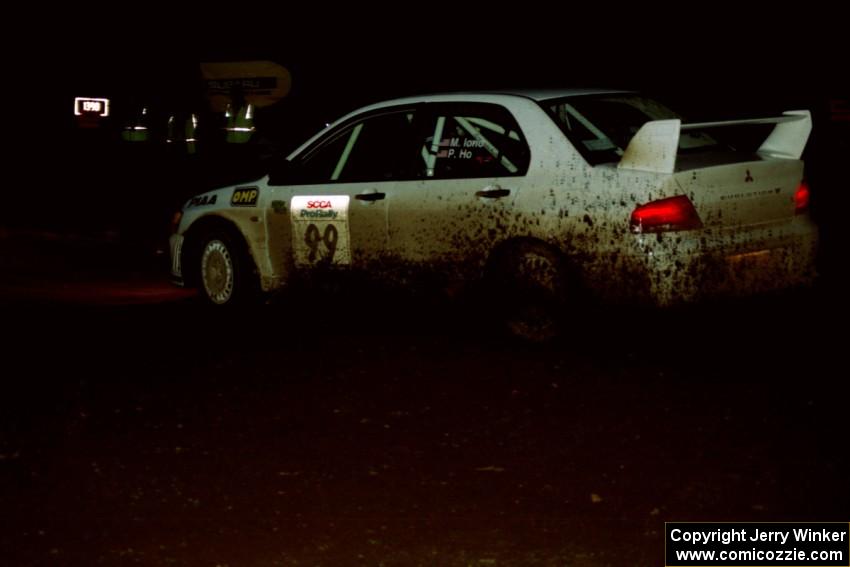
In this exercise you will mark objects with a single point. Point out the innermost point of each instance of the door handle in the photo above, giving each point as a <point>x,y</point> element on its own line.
<point>370,196</point>
<point>494,192</point>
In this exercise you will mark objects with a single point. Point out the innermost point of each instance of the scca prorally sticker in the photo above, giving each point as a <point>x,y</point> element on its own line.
<point>320,233</point>
<point>245,197</point>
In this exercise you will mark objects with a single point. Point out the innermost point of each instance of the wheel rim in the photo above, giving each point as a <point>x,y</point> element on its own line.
<point>534,271</point>
<point>217,272</point>
<point>535,286</point>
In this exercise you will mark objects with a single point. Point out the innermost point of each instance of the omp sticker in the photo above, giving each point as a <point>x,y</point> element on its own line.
<point>320,232</point>
<point>244,197</point>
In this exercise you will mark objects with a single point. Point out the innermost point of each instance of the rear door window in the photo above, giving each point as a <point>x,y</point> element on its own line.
<point>472,140</point>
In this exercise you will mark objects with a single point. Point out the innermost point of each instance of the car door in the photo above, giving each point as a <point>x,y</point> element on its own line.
<point>474,158</point>
<point>337,192</point>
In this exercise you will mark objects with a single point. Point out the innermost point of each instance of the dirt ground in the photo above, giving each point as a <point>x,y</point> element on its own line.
<point>338,430</point>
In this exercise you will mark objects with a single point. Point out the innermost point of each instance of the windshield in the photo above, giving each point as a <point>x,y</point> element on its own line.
<point>602,126</point>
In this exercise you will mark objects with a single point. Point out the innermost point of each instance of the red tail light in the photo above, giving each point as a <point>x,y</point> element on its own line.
<point>674,213</point>
<point>801,198</point>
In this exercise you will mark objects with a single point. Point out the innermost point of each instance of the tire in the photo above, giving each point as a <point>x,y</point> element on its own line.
<point>530,287</point>
<point>225,271</point>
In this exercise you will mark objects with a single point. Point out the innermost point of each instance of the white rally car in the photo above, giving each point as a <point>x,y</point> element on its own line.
<point>544,197</point>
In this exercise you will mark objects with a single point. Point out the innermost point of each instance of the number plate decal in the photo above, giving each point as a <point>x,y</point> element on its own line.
<point>320,234</point>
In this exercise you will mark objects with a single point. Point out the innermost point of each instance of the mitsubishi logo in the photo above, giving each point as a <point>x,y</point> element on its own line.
<point>748,178</point>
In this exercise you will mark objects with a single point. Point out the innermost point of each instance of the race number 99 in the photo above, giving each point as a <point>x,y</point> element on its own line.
<point>322,246</point>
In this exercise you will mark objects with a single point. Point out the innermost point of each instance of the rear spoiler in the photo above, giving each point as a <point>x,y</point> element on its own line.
<point>655,145</point>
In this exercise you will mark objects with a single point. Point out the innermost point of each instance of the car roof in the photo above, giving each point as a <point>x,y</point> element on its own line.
<point>534,94</point>
<point>548,94</point>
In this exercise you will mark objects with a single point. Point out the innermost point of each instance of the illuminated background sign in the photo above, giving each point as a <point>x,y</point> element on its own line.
<point>91,107</point>
<point>262,83</point>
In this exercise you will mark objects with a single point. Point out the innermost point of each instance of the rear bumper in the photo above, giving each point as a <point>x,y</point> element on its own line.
<point>681,267</point>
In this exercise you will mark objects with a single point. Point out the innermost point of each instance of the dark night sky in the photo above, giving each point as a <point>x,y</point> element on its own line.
<point>715,74</point>
<point>707,60</point>
<point>696,50</point>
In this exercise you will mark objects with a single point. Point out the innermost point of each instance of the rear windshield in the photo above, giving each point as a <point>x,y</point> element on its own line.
<point>601,126</point>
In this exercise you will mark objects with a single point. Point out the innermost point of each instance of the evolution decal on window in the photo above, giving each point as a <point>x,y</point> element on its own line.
<point>320,232</point>
<point>245,197</point>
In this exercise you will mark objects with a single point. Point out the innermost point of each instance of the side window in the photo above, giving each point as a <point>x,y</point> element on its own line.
<point>473,140</point>
<point>581,129</point>
<point>378,148</point>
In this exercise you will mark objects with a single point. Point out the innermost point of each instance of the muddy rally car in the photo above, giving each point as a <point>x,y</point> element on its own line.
<point>542,198</point>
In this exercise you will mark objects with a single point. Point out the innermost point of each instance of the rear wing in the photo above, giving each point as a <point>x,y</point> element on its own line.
<point>655,145</point>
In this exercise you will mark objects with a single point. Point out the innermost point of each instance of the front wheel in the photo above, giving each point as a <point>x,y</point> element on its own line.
<point>225,274</point>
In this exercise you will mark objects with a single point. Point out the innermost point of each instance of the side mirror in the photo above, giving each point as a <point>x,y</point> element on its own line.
<point>283,173</point>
